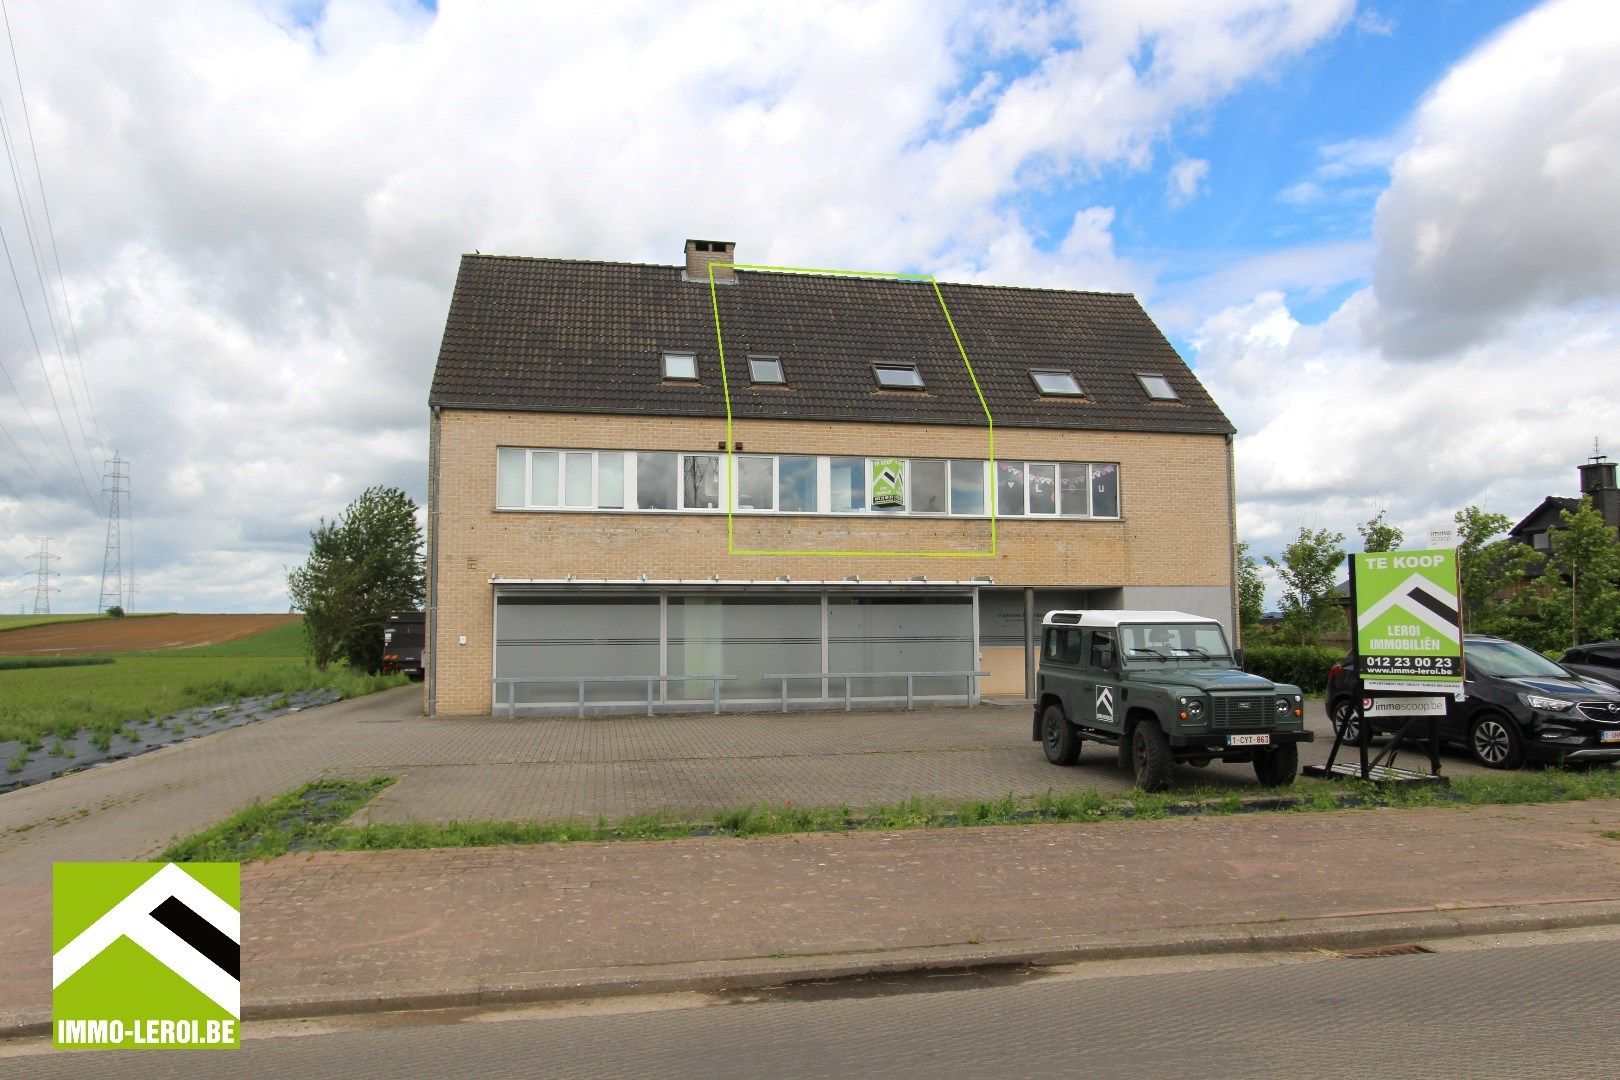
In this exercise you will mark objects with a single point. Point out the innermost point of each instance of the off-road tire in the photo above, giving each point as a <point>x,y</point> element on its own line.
<point>1151,760</point>
<point>1059,738</point>
<point>1495,742</point>
<point>1278,766</point>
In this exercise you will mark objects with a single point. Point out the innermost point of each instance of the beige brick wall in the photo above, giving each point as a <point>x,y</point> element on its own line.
<point>1173,495</point>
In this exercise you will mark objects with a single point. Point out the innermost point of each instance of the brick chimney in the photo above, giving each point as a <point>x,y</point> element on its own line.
<point>700,253</point>
<point>1598,484</point>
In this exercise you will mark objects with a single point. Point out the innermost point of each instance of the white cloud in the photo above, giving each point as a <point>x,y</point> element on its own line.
<point>259,219</point>
<point>1186,180</point>
<point>1373,22</point>
<point>1331,430</point>
<point>1503,204</point>
<point>1496,261</point>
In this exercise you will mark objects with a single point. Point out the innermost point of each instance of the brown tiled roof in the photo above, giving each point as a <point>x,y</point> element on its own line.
<point>571,336</point>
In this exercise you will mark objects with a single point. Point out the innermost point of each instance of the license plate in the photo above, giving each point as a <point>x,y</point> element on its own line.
<point>1609,736</point>
<point>1260,740</point>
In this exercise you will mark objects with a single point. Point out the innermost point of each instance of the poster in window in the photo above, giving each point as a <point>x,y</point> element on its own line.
<point>888,482</point>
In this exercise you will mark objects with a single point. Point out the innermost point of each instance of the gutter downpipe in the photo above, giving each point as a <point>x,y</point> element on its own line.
<point>1231,510</point>
<point>431,676</point>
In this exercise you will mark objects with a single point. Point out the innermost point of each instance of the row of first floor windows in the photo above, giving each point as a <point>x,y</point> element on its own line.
<point>532,479</point>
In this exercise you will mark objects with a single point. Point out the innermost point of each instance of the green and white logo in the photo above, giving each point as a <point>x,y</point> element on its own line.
<point>146,956</point>
<point>1408,623</point>
<point>888,482</point>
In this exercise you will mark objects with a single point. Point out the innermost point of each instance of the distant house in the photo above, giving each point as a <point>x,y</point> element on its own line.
<point>637,475</point>
<point>1535,529</point>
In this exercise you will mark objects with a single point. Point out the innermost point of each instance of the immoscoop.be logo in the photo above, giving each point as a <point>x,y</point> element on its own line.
<point>146,956</point>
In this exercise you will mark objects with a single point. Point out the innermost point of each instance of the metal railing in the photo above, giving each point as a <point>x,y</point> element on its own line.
<point>911,678</point>
<point>650,680</point>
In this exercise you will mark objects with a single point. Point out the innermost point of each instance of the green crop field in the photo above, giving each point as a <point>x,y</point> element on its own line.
<point>19,622</point>
<point>284,641</point>
<point>38,703</point>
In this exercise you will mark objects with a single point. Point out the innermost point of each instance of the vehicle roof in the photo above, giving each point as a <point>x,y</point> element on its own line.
<point>1112,619</point>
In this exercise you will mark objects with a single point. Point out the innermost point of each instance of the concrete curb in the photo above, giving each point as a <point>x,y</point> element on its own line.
<point>752,973</point>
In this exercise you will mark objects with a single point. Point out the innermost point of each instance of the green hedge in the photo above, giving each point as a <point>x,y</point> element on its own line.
<point>1306,666</point>
<point>17,663</point>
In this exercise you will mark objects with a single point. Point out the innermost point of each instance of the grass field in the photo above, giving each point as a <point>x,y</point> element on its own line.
<point>36,704</point>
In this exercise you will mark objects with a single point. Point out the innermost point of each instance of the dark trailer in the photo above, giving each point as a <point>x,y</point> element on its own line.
<point>403,637</point>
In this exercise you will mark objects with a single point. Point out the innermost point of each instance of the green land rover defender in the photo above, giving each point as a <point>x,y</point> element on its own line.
<point>1163,687</point>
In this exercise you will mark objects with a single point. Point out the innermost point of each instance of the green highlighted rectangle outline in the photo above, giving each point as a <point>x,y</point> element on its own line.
<point>725,384</point>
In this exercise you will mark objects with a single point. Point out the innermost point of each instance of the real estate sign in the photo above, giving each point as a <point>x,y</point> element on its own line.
<point>888,482</point>
<point>1408,625</point>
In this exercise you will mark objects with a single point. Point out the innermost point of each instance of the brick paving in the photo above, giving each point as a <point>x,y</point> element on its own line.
<point>377,925</point>
<point>482,767</point>
<point>487,767</point>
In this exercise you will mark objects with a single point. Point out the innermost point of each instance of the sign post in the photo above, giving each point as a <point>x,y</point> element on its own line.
<point>1407,630</point>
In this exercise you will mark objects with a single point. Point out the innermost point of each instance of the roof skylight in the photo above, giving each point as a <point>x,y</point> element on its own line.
<point>766,369</point>
<point>680,365</point>
<point>1056,382</point>
<point>898,376</point>
<point>1157,386</point>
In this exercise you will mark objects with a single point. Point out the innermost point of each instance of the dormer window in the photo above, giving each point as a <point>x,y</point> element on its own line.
<point>1056,383</point>
<point>680,365</point>
<point>1157,386</point>
<point>898,376</point>
<point>766,369</point>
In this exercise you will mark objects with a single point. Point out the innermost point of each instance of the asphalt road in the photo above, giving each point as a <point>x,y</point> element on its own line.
<point>1500,1008</point>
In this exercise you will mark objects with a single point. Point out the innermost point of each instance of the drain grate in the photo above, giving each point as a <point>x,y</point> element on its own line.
<point>1385,950</point>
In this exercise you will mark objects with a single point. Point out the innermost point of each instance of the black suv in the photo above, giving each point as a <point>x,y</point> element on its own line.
<point>1598,661</point>
<point>1518,706</point>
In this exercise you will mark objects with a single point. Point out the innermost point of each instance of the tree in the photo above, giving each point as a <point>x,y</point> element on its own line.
<point>1377,534</point>
<point>1309,568</point>
<point>1251,592</point>
<point>1581,602</point>
<point>361,567</point>
<point>115,612</point>
<point>1493,570</point>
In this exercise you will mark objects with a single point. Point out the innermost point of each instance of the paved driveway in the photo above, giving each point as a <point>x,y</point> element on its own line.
<point>484,767</point>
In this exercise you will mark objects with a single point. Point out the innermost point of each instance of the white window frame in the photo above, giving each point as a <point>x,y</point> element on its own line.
<point>626,468</point>
<point>562,479</point>
<point>1119,491</point>
<point>528,480</point>
<point>1085,486</point>
<point>727,485</point>
<point>633,494</point>
<point>911,496</point>
<point>736,470</point>
<point>984,487</point>
<point>818,459</point>
<point>1057,501</point>
<point>719,482</point>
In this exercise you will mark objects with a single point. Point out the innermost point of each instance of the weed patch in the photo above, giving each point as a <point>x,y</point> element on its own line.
<point>302,820</point>
<point>915,813</point>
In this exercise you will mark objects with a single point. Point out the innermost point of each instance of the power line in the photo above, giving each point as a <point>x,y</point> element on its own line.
<point>34,245</point>
<point>24,502</point>
<point>28,319</point>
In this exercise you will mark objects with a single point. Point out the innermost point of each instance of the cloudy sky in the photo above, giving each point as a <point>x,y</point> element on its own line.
<point>1385,234</point>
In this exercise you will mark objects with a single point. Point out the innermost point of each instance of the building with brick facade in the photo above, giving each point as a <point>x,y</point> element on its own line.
<point>663,473</point>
